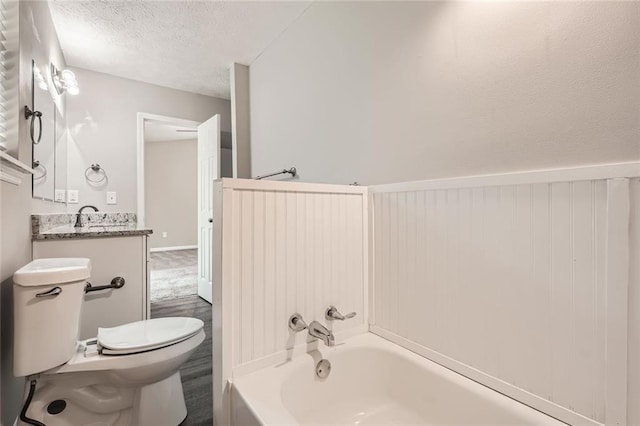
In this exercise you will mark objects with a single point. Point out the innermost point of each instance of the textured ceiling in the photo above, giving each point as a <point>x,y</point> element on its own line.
<point>185,45</point>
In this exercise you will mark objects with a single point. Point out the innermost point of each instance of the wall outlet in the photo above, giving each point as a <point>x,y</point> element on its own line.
<point>72,196</point>
<point>60,196</point>
<point>111,198</point>
<point>164,234</point>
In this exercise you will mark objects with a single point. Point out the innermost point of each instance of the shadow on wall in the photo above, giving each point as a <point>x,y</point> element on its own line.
<point>12,387</point>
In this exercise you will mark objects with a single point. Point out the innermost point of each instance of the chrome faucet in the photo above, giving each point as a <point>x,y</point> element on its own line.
<point>321,332</point>
<point>79,215</point>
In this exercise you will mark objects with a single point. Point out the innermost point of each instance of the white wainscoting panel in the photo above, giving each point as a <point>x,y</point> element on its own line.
<point>633,395</point>
<point>522,283</point>
<point>285,248</point>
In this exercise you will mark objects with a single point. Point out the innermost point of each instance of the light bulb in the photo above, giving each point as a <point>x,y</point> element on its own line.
<point>73,90</point>
<point>67,75</point>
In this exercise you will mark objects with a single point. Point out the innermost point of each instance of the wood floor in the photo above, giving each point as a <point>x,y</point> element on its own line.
<point>196,372</point>
<point>174,274</point>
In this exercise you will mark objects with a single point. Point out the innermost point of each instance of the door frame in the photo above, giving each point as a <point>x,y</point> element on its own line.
<point>142,116</point>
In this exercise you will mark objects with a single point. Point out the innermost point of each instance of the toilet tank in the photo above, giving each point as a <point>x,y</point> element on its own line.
<point>47,299</point>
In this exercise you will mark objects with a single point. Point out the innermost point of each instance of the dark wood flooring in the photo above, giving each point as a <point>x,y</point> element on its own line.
<point>196,372</point>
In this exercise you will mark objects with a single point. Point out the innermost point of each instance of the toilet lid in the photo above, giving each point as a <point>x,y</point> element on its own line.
<point>147,335</point>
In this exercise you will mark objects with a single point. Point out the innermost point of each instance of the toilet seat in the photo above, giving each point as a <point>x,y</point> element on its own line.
<point>166,342</point>
<point>84,361</point>
<point>146,335</point>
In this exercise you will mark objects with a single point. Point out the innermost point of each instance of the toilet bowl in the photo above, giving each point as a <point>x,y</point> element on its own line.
<point>127,375</point>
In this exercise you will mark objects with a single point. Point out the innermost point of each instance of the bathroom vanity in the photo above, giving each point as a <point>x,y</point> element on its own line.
<point>117,247</point>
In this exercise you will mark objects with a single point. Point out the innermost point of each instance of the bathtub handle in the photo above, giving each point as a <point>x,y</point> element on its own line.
<point>296,323</point>
<point>332,313</point>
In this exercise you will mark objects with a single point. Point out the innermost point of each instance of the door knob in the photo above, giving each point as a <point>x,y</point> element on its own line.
<point>210,220</point>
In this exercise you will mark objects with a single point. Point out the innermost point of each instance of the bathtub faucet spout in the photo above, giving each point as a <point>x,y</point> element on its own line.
<point>321,332</point>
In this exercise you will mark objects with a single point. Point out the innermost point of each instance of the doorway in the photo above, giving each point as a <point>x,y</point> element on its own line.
<point>177,162</point>
<point>170,207</point>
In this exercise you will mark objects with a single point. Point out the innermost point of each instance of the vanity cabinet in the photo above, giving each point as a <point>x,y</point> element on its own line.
<point>124,256</point>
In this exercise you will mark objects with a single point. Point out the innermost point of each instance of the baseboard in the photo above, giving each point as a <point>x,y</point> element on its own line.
<point>153,250</point>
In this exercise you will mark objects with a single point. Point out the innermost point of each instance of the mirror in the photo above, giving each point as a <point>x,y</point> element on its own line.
<point>60,157</point>
<point>46,128</point>
<point>42,131</point>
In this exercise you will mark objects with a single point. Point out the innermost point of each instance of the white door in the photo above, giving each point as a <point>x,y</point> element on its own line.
<point>208,171</point>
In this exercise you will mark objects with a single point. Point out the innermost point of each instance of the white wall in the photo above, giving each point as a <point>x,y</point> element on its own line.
<point>240,120</point>
<point>15,233</point>
<point>102,122</point>
<point>171,196</point>
<point>390,91</point>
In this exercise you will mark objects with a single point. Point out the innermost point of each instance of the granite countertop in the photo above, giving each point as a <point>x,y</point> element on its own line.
<point>98,225</point>
<point>94,231</point>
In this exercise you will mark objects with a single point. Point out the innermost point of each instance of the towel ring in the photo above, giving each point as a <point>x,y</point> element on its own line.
<point>33,115</point>
<point>37,165</point>
<point>97,170</point>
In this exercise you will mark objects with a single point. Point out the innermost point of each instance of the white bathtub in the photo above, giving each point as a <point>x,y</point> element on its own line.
<point>373,382</point>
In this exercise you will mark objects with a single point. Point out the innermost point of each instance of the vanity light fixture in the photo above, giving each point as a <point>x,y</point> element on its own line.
<point>64,81</point>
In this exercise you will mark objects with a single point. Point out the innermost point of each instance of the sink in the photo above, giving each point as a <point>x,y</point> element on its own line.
<point>108,225</point>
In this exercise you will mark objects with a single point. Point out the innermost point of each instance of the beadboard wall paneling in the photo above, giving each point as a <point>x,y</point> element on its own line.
<point>283,248</point>
<point>295,252</point>
<point>523,283</point>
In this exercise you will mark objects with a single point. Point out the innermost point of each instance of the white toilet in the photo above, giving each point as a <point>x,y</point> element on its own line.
<point>128,375</point>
